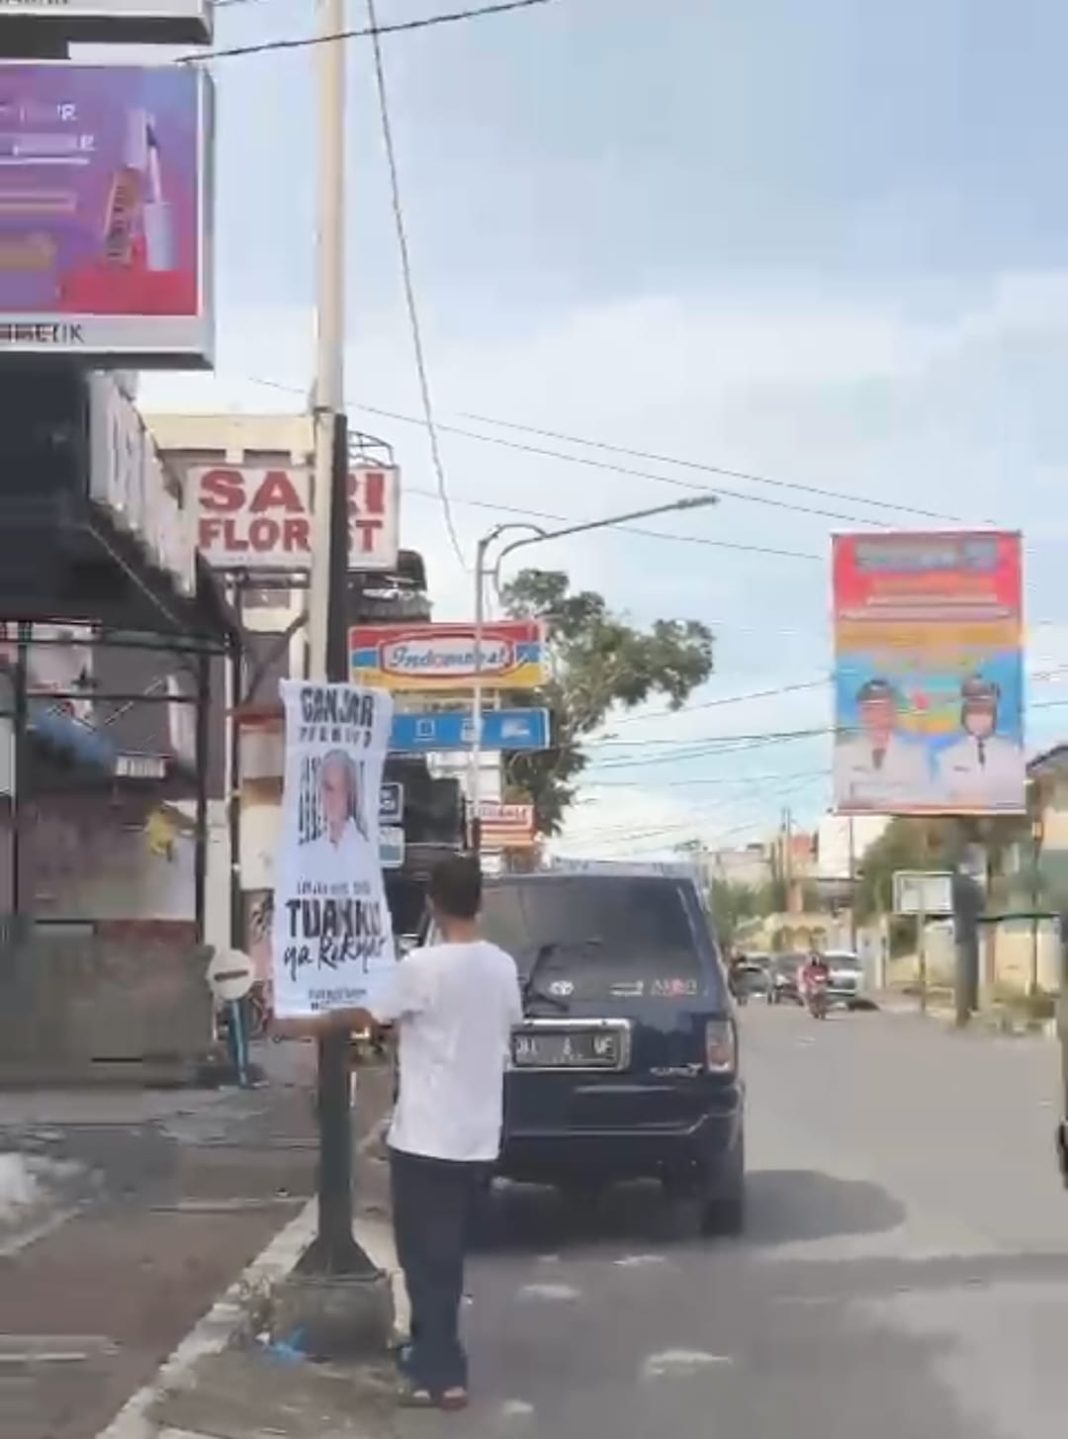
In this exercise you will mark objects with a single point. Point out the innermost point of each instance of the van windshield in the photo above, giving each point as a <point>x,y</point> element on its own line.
<point>589,937</point>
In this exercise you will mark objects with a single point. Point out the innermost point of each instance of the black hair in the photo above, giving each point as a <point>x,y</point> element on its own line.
<point>456,887</point>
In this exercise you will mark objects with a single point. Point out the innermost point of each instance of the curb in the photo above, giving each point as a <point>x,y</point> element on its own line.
<point>228,1316</point>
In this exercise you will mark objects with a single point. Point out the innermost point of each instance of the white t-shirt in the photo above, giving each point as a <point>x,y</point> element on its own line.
<point>455,1006</point>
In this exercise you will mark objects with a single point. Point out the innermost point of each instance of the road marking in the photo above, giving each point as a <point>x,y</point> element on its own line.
<point>638,1261</point>
<point>517,1409</point>
<point>54,1348</point>
<point>552,1292</point>
<point>677,1363</point>
<point>10,1247</point>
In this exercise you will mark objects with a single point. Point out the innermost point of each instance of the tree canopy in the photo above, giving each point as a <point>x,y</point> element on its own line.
<point>601,662</point>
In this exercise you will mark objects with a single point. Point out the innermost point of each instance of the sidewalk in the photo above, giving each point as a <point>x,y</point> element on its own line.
<point>997,1019</point>
<point>168,1197</point>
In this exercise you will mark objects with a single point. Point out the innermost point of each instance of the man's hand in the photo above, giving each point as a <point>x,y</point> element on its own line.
<point>315,1026</point>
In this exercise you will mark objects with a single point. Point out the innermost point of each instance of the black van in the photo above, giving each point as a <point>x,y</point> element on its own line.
<point>626,1064</point>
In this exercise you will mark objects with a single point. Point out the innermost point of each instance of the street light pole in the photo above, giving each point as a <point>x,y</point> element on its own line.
<point>334,1250</point>
<point>535,536</point>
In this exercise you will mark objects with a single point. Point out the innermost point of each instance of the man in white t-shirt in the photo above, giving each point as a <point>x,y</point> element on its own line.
<point>455,1004</point>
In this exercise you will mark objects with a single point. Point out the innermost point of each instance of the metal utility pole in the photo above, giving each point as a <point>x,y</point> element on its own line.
<point>535,536</point>
<point>852,886</point>
<point>334,1250</point>
<point>329,391</point>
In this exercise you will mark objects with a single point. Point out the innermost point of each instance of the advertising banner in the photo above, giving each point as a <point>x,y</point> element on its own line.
<point>506,826</point>
<point>928,673</point>
<point>432,658</point>
<point>255,517</point>
<point>417,733</point>
<point>104,213</point>
<point>332,938</point>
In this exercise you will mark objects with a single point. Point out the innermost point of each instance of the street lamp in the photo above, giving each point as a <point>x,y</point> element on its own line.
<point>535,536</point>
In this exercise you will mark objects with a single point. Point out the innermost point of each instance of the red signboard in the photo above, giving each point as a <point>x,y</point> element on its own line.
<point>259,518</point>
<point>442,657</point>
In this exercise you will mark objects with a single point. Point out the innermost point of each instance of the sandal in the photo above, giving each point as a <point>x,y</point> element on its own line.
<point>414,1396</point>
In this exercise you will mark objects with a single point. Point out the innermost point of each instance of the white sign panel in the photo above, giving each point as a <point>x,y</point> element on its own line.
<point>921,892</point>
<point>172,20</point>
<point>391,846</point>
<point>332,939</point>
<point>252,517</point>
<point>230,975</point>
<point>127,478</point>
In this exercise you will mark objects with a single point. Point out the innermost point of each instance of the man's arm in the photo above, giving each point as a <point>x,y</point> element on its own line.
<point>404,993</point>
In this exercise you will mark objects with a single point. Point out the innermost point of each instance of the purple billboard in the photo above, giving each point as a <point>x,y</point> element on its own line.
<point>104,212</point>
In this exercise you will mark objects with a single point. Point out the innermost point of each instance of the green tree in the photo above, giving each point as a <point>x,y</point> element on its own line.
<point>600,664</point>
<point>915,843</point>
<point>732,904</point>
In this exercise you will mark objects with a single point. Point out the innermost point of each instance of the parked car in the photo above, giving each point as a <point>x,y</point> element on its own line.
<point>785,979</point>
<point>846,984</point>
<point>753,973</point>
<point>626,1063</point>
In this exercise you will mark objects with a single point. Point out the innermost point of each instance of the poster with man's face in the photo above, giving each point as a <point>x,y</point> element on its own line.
<point>331,933</point>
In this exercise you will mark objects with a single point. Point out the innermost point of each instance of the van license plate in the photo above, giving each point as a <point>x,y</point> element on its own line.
<point>566,1049</point>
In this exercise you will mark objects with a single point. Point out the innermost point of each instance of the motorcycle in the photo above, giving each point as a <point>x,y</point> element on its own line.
<point>818,1001</point>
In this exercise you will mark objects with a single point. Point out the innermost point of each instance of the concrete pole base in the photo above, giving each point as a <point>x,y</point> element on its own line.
<point>328,1316</point>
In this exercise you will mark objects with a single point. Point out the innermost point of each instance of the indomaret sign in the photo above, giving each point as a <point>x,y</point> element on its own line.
<point>255,517</point>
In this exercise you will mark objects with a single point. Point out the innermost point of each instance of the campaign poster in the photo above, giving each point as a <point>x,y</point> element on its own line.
<point>104,212</point>
<point>332,938</point>
<point>929,673</point>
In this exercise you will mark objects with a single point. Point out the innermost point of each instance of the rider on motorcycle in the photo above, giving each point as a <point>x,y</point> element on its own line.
<point>816,971</point>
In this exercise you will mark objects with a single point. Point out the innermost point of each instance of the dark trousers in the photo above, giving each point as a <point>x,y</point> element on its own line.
<point>433,1204</point>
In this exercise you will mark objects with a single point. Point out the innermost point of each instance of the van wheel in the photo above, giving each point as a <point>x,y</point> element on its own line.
<point>723,1210</point>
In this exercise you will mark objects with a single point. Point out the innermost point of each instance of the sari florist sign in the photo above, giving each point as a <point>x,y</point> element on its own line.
<point>332,942</point>
<point>442,657</point>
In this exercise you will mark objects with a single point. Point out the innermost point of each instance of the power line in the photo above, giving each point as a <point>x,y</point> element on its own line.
<point>304,42</point>
<point>414,324</point>
<point>497,507</point>
<point>586,462</point>
<point>624,529</point>
<point>705,468</point>
<point>727,700</point>
<point>715,780</point>
<point>614,469</point>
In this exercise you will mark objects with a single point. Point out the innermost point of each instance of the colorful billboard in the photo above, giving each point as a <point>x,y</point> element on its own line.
<point>928,673</point>
<point>104,213</point>
<point>433,658</point>
<point>258,517</point>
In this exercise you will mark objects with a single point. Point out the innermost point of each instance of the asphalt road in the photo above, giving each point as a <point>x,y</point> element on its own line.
<point>905,1271</point>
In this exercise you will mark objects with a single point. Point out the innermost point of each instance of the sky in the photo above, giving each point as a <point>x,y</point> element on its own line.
<point>824,243</point>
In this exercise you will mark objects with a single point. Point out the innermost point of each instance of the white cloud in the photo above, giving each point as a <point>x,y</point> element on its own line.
<point>862,397</point>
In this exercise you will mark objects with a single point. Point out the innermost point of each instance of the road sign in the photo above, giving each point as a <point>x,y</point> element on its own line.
<point>391,846</point>
<point>391,803</point>
<point>422,657</point>
<point>230,974</point>
<point>506,826</point>
<point>926,892</point>
<point>418,732</point>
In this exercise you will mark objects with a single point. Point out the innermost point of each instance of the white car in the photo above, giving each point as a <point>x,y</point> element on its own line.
<point>846,984</point>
